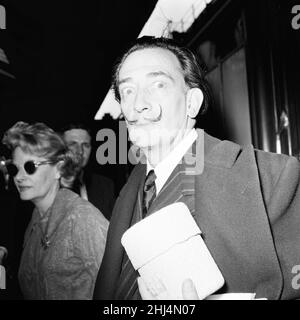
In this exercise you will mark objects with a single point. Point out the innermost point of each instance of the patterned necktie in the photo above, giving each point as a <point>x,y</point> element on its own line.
<point>149,193</point>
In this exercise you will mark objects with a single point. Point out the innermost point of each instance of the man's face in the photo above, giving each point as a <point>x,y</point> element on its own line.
<point>79,142</point>
<point>153,97</point>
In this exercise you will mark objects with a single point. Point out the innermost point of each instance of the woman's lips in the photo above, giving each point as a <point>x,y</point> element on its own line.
<point>23,188</point>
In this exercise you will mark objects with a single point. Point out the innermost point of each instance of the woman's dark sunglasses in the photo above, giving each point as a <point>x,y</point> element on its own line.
<point>30,167</point>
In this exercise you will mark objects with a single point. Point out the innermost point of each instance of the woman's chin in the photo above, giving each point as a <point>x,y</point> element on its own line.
<point>25,196</point>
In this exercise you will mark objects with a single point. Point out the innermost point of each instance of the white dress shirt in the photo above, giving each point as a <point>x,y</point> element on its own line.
<point>164,168</point>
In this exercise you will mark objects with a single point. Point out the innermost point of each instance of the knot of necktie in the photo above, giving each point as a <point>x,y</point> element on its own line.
<point>150,180</point>
<point>149,191</point>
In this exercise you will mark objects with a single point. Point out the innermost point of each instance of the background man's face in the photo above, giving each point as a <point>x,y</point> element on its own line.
<point>79,142</point>
<point>153,97</point>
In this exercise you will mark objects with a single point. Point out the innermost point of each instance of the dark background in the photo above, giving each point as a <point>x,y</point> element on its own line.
<point>61,54</point>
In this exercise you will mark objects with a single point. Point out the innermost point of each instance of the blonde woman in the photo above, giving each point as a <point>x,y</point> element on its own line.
<point>65,239</point>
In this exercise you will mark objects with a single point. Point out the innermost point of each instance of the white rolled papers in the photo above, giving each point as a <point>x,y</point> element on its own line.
<point>167,245</point>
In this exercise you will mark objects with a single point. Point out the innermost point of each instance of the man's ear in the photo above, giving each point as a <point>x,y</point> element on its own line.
<point>194,102</point>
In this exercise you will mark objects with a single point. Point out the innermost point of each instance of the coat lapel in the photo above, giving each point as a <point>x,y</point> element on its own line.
<point>238,236</point>
<point>121,218</point>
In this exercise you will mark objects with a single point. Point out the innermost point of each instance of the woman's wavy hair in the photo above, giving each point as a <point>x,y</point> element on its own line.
<point>42,141</point>
<point>192,69</point>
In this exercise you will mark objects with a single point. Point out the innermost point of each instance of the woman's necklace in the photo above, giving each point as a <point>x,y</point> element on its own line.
<point>45,241</point>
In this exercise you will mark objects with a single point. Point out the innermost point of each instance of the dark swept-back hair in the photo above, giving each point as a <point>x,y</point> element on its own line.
<point>76,125</point>
<point>42,141</point>
<point>192,71</point>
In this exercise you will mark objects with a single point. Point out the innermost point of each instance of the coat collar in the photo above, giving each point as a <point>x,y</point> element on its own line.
<point>220,153</point>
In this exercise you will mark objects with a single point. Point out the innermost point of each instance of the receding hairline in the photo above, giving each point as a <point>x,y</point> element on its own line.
<point>153,48</point>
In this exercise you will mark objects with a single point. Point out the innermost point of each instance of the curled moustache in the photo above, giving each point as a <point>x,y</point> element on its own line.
<point>156,119</point>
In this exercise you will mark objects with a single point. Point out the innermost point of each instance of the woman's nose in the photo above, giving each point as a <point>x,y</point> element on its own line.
<point>20,175</point>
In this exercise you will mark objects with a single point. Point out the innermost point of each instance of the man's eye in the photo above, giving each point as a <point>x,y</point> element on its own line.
<point>71,145</point>
<point>159,84</point>
<point>126,91</point>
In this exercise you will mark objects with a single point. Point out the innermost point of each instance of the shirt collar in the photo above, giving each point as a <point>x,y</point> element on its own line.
<point>164,168</point>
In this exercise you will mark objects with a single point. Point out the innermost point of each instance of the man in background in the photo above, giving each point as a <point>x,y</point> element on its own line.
<point>90,185</point>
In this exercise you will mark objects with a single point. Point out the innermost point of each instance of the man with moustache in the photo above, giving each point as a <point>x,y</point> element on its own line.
<point>246,202</point>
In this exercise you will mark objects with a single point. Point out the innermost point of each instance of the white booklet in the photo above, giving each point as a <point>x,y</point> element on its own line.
<point>168,246</point>
<point>233,296</point>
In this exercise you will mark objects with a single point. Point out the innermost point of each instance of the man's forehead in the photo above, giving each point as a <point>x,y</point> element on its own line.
<point>77,135</point>
<point>149,59</point>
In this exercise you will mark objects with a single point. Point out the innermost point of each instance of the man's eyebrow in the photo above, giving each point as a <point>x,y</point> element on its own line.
<point>128,79</point>
<point>153,74</point>
<point>159,74</point>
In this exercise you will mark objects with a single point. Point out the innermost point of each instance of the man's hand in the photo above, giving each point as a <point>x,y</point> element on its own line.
<point>154,289</point>
<point>189,291</point>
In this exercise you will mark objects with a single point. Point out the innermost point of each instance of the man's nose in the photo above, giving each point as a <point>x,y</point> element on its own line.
<point>140,103</point>
<point>79,150</point>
